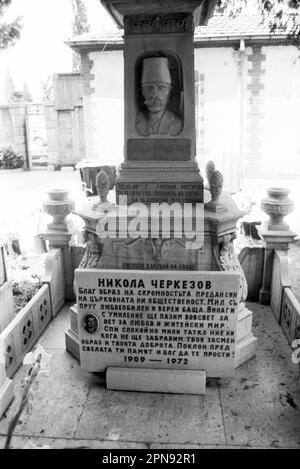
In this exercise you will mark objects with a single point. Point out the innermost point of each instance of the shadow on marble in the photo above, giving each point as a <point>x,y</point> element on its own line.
<point>58,399</point>
<point>21,442</point>
<point>261,405</point>
<point>54,335</point>
<point>147,417</point>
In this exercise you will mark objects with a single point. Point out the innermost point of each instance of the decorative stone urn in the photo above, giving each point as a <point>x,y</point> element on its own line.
<point>277,205</point>
<point>59,206</point>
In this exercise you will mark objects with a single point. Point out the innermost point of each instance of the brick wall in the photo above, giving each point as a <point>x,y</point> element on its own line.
<point>88,105</point>
<point>86,73</point>
<point>255,112</point>
<point>200,114</point>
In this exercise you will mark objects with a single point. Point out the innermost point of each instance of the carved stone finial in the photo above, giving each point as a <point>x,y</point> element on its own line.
<point>215,181</point>
<point>216,185</point>
<point>102,184</point>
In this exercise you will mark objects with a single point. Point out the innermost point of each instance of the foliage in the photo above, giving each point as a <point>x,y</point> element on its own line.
<point>9,32</point>
<point>80,26</point>
<point>23,292</point>
<point>280,15</point>
<point>10,160</point>
<point>231,7</point>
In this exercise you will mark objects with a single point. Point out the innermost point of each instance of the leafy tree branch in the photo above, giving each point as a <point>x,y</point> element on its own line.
<point>9,32</point>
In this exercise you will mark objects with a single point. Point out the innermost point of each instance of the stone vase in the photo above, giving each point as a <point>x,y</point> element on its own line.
<point>277,205</point>
<point>59,206</point>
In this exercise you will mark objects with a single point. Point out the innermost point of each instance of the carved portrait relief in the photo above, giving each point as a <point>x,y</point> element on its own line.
<point>159,97</point>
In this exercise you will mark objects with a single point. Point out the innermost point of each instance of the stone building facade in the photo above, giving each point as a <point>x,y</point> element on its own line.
<point>247,96</point>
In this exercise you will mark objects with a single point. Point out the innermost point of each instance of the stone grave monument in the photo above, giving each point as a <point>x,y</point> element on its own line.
<point>160,311</point>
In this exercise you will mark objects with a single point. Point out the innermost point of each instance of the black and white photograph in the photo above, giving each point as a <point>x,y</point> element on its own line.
<point>149,228</point>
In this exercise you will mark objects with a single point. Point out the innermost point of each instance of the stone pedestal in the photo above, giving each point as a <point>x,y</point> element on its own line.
<point>57,234</point>
<point>215,254</point>
<point>275,233</point>
<point>119,251</point>
<point>160,168</point>
<point>273,240</point>
<point>160,182</point>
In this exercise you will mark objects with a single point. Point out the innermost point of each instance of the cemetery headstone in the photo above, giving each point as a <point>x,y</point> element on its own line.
<point>163,320</point>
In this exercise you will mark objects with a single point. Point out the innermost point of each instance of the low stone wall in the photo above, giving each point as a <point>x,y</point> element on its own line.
<point>284,304</point>
<point>290,316</point>
<point>20,335</point>
<point>54,277</point>
<point>7,310</point>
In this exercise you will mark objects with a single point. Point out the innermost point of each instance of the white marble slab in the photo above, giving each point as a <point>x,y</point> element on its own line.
<point>148,319</point>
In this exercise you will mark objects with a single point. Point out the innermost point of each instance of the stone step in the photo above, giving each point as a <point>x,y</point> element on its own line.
<point>155,380</point>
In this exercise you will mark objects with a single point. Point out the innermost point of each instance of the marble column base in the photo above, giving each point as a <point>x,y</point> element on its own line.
<point>245,350</point>
<point>246,342</point>
<point>160,181</point>
<point>72,344</point>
